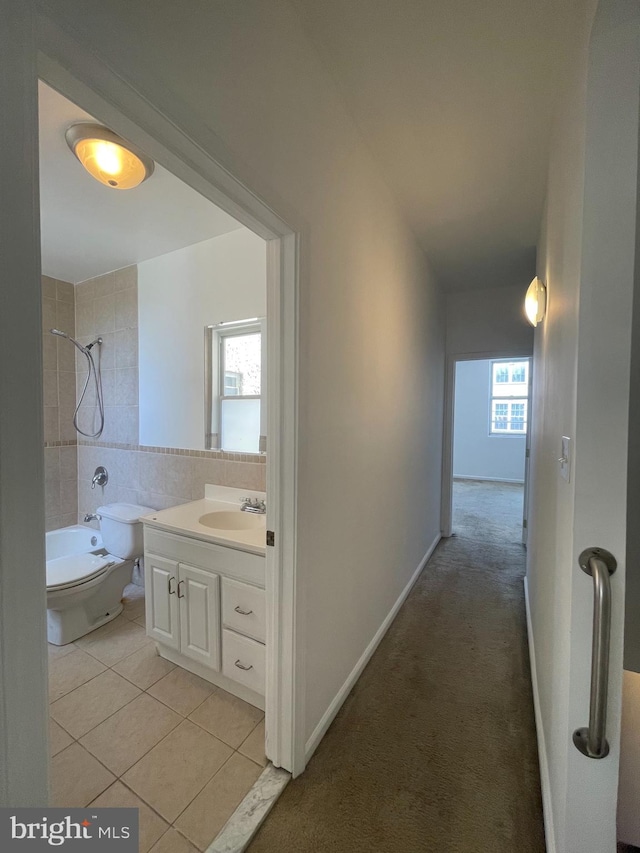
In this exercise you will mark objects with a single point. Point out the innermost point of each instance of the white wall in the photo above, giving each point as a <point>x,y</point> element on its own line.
<point>581,389</point>
<point>246,83</point>
<point>178,295</point>
<point>476,453</point>
<point>489,321</point>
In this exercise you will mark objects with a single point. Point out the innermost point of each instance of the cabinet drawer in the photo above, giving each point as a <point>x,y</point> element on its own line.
<point>239,652</point>
<point>243,608</point>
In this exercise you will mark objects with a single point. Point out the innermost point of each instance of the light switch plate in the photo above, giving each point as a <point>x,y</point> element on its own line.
<point>565,458</point>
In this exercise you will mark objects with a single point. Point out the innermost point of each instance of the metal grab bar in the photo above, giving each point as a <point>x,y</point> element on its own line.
<point>600,564</point>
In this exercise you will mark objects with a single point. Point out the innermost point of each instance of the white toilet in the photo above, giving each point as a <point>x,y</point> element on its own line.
<point>84,591</point>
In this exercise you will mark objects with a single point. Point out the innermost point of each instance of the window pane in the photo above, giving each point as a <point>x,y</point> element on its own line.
<point>242,364</point>
<point>518,417</point>
<point>240,426</point>
<point>510,379</point>
<point>499,417</point>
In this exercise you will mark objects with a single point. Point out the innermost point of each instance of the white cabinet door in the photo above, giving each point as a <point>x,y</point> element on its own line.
<point>162,610</point>
<point>199,594</point>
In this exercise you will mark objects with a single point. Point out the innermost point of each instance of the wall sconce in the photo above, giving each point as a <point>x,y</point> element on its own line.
<point>107,157</point>
<point>535,303</point>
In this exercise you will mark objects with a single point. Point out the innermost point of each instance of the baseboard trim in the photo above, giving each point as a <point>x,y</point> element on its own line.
<point>337,702</point>
<point>486,479</point>
<point>545,781</point>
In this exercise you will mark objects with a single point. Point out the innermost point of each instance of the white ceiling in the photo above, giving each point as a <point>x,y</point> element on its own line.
<point>455,100</point>
<point>89,229</point>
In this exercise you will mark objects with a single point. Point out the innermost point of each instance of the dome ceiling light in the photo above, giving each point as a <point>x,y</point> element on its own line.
<point>108,157</point>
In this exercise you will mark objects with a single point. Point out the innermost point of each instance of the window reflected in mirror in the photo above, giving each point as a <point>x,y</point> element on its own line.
<point>234,369</point>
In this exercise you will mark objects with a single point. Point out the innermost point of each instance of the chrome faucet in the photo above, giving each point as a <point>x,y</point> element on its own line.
<point>100,477</point>
<point>91,516</point>
<point>253,505</point>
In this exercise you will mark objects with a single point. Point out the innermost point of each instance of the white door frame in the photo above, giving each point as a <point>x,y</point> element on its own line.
<point>446,511</point>
<point>24,708</point>
<point>170,134</point>
<point>527,459</point>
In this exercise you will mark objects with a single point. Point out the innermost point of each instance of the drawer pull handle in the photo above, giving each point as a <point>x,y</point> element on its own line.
<point>242,666</point>
<point>171,591</point>
<point>242,612</point>
<point>179,585</point>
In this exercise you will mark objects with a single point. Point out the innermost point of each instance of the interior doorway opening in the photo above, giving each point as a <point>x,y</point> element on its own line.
<point>485,462</point>
<point>139,661</point>
<point>489,447</point>
<point>179,147</point>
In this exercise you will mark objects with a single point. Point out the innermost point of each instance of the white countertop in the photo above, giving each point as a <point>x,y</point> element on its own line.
<point>185,519</point>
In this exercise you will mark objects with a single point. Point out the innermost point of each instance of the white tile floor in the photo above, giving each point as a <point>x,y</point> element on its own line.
<point>131,729</point>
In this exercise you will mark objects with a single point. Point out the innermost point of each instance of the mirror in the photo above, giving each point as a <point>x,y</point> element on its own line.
<point>217,283</point>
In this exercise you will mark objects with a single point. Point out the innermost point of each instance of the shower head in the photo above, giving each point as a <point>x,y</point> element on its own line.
<point>84,349</point>
<point>69,338</point>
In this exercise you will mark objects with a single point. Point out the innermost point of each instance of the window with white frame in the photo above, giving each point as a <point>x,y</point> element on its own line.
<point>509,397</point>
<point>234,356</point>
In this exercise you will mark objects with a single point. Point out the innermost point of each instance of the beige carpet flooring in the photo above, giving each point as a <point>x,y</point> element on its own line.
<point>435,747</point>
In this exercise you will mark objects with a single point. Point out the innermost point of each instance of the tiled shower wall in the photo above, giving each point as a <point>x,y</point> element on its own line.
<point>59,396</point>
<point>155,477</point>
<point>108,307</point>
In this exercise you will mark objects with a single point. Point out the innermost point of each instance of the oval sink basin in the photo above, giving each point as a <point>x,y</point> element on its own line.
<point>230,520</point>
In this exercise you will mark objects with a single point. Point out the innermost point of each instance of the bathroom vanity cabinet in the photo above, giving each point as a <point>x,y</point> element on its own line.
<point>205,608</point>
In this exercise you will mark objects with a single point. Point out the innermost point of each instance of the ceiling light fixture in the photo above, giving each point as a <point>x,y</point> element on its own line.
<point>108,157</point>
<point>535,303</point>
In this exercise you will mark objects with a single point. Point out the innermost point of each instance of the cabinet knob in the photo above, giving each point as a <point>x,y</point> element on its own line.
<point>171,591</point>
<point>242,666</point>
<point>242,612</point>
<point>179,585</point>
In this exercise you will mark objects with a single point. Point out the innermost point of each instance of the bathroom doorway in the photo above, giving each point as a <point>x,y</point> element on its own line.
<point>125,437</point>
<point>134,118</point>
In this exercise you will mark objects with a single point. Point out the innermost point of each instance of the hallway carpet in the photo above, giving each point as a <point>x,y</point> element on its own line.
<point>435,748</point>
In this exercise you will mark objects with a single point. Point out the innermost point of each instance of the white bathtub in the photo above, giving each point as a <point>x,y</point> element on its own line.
<point>76,539</point>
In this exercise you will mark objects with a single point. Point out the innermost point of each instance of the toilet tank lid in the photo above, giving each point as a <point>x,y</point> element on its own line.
<point>127,513</point>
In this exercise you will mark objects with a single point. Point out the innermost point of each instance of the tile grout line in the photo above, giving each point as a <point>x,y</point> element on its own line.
<point>93,728</point>
<point>124,785</point>
<point>151,696</point>
<point>227,760</point>
<point>110,669</point>
<point>219,770</point>
<point>119,776</point>
<point>93,678</point>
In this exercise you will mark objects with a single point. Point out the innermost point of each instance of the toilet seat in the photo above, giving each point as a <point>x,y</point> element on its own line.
<point>70,571</point>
